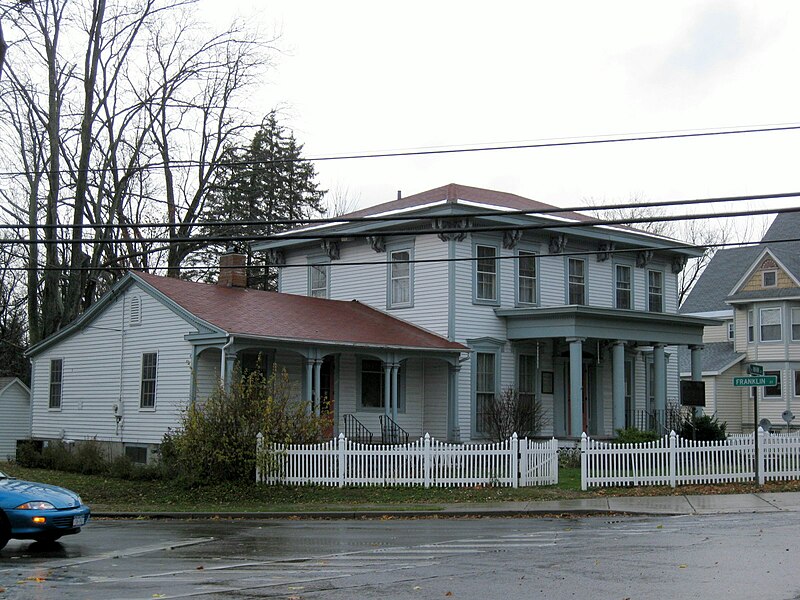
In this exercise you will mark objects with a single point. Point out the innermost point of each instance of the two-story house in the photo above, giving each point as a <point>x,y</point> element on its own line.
<point>412,314</point>
<point>576,315</point>
<point>755,290</point>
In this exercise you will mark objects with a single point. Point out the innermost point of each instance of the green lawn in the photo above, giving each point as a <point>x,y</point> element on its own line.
<point>107,494</point>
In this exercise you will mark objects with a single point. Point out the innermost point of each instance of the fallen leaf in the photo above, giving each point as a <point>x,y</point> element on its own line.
<point>200,568</point>
<point>682,566</point>
<point>659,527</point>
<point>416,587</point>
<point>449,594</point>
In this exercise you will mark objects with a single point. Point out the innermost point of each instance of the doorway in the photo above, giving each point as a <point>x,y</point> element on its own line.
<point>327,394</point>
<point>587,387</point>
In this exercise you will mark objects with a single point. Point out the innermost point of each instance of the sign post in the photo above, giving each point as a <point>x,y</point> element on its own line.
<point>755,380</point>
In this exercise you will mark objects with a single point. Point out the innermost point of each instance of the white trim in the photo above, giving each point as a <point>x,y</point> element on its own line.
<point>754,265</point>
<point>715,373</point>
<point>19,382</point>
<point>712,314</point>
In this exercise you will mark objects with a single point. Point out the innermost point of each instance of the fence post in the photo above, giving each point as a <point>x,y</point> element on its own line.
<point>760,457</point>
<point>584,462</point>
<point>259,455</point>
<point>426,461</point>
<point>673,450</point>
<point>341,445</point>
<point>554,459</point>
<point>514,459</point>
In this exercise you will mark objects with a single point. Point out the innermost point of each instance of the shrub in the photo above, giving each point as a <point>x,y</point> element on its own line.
<point>218,437</point>
<point>631,435</point>
<point>569,458</point>
<point>703,428</point>
<point>508,413</point>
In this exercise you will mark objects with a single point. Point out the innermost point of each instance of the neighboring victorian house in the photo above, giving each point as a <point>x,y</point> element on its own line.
<point>123,372</point>
<point>578,316</point>
<point>756,291</point>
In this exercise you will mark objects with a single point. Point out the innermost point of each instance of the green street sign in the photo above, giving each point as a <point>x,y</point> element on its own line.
<point>755,370</point>
<point>764,380</point>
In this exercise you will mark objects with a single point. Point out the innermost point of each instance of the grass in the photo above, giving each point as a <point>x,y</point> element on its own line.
<point>108,494</point>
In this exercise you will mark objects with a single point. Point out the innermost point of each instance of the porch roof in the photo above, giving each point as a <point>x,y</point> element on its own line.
<point>288,317</point>
<point>604,323</point>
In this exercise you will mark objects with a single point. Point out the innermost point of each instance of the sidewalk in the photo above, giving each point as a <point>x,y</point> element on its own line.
<point>640,505</point>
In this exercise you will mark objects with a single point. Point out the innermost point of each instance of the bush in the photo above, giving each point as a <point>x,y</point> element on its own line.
<point>218,437</point>
<point>631,435</point>
<point>569,458</point>
<point>507,414</point>
<point>703,428</point>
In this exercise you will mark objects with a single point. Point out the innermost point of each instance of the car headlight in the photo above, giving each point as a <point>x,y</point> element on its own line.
<point>36,505</point>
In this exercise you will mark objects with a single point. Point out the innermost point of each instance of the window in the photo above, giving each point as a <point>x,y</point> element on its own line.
<point>750,327</point>
<point>400,278</point>
<point>797,383</point>
<point>526,397</point>
<point>486,273</point>
<point>136,454</point>
<point>770,322</point>
<point>731,330</point>
<point>526,277</point>
<point>655,291</point>
<point>577,281</point>
<point>773,391</point>
<point>373,385</point>
<point>795,324</point>
<point>56,381</point>
<point>769,278</point>
<point>484,389</point>
<point>149,370</point>
<point>622,286</point>
<point>318,283</point>
<point>629,414</point>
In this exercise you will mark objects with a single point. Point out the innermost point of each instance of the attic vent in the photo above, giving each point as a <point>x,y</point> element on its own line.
<point>136,311</point>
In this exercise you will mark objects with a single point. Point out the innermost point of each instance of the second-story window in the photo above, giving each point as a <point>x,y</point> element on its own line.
<point>526,277</point>
<point>751,336</point>
<point>795,324</point>
<point>769,278</point>
<point>318,282</point>
<point>400,278</point>
<point>486,273</point>
<point>731,330</point>
<point>770,324</point>
<point>577,281</point>
<point>623,286</point>
<point>655,291</point>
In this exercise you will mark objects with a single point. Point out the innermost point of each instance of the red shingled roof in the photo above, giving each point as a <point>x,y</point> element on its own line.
<point>289,317</point>
<point>453,192</point>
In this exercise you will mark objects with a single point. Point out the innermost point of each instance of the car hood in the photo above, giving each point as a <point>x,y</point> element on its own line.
<point>14,492</point>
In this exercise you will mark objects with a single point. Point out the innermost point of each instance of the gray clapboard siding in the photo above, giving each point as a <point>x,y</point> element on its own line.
<point>435,398</point>
<point>99,369</point>
<point>15,416</point>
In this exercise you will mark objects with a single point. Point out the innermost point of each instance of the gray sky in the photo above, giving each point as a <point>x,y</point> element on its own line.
<point>377,76</point>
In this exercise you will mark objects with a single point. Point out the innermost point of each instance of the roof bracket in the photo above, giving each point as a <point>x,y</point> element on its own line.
<point>678,263</point>
<point>643,258</point>
<point>330,248</point>
<point>558,243</point>
<point>511,238</point>
<point>377,243</point>
<point>605,250</point>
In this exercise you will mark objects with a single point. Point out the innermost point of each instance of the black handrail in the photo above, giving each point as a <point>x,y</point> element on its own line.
<point>355,430</point>
<point>391,432</point>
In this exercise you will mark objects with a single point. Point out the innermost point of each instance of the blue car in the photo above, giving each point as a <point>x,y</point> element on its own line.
<point>37,511</point>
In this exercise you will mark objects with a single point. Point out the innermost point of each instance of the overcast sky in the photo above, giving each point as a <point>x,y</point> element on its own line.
<point>377,76</point>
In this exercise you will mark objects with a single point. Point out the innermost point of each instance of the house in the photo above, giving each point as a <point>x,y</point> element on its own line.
<point>126,369</point>
<point>575,314</point>
<point>15,415</point>
<point>755,291</point>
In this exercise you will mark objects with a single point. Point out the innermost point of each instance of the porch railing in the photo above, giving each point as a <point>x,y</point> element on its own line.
<point>355,430</point>
<point>659,421</point>
<point>391,432</point>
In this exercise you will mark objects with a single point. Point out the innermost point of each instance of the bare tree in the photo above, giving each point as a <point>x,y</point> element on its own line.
<point>511,413</point>
<point>99,94</point>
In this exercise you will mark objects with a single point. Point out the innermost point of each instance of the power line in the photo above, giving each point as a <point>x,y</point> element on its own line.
<point>404,232</point>
<point>339,263</point>
<point>344,219</point>
<point>367,155</point>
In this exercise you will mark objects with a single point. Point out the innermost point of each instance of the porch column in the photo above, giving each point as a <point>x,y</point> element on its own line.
<point>309,383</point>
<point>395,390</point>
<point>697,371</point>
<point>387,389</point>
<point>317,386</point>
<point>618,385</point>
<point>660,377</point>
<point>452,402</point>
<point>576,385</point>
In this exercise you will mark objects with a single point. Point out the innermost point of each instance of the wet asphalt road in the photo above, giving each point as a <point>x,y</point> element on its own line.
<point>732,556</point>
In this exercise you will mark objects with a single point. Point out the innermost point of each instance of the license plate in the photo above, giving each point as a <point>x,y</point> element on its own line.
<point>79,520</point>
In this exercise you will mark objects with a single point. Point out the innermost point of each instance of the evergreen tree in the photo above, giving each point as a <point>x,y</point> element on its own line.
<point>265,181</point>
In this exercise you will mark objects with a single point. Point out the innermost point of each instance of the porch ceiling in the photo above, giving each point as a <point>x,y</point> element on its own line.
<point>604,323</point>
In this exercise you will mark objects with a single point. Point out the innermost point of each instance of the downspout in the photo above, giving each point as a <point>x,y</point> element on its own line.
<point>223,361</point>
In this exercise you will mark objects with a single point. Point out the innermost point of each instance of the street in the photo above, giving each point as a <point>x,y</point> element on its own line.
<point>727,556</point>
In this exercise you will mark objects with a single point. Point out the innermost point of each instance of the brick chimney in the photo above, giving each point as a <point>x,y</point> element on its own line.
<point>232,269</point>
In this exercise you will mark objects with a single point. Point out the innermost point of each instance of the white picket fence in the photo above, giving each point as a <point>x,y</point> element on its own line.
<point>425,462</point>
<point>673,460</point>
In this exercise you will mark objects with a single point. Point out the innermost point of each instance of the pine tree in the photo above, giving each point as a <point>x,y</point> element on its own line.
<point>265,181</point>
